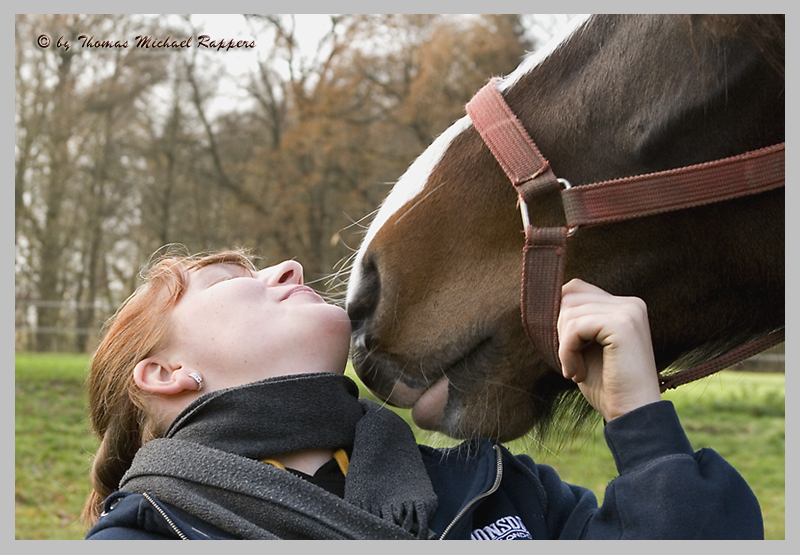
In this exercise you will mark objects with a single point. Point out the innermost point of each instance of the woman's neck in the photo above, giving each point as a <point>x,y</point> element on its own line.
<point>300,419</point>
<point>307,462</point>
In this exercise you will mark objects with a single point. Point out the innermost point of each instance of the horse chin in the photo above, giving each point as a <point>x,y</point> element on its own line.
<point>486,411</point>
<point>443,413</point>
<point>485,391</point>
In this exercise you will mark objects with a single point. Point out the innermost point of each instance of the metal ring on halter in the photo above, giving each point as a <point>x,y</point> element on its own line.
<point>523,207</point>
<point>567,185</point>
<point>523,210</point>
<point>198,379</point>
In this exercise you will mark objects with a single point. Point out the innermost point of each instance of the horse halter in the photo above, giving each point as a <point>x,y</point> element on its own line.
<point>606,202</point>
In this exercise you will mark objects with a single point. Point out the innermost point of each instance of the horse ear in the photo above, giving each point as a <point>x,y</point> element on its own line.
<point>156,375</point>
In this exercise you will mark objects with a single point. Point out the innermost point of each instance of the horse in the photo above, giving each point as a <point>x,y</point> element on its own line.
<point>434,292</point>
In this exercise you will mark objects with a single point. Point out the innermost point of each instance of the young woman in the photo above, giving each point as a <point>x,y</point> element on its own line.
<point>219,396</point>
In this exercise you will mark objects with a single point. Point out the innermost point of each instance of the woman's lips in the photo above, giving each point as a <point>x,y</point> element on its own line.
<point>299,290</point>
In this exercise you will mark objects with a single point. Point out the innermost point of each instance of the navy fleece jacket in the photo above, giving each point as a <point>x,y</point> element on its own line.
<point>664,490</point>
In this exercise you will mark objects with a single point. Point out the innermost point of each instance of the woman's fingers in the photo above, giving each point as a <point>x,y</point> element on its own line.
<point>605,347</point>
<point>582,322</point>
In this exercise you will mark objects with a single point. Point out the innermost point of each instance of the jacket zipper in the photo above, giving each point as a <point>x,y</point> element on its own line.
<point>498,478</point>
<point>172,525</point>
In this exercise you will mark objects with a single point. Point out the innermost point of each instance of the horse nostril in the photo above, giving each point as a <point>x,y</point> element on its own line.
<point>362,304</point>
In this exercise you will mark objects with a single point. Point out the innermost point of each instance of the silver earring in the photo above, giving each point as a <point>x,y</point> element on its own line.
<point>198,379</point>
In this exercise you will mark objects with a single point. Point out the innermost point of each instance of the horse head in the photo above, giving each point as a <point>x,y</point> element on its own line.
<point>434,292</point>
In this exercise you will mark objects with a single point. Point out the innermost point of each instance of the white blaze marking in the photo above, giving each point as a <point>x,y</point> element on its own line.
<point>410,184</point>
<point>414,180</point>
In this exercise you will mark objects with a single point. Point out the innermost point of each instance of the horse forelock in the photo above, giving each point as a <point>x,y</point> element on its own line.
<point>767,32</point>
<point>536,57</point>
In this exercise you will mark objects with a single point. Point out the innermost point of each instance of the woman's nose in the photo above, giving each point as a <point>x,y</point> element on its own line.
<point>285,273</point>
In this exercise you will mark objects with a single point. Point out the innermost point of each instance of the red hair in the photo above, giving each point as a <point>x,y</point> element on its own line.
<point>140,327</point>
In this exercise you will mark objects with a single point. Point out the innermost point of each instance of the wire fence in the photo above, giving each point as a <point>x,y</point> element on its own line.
<point>70,338</point>
<point>63,336</point>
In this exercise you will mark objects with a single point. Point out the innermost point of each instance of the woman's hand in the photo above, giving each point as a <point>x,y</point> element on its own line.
<point>605,348</point>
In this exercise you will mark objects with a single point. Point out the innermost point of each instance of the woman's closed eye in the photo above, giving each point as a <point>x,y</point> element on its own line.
<point>223,279</point>
<point>220,275</point>
<point>226,278</point>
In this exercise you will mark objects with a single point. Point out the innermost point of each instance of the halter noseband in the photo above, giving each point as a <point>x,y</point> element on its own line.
<point>606,202</point>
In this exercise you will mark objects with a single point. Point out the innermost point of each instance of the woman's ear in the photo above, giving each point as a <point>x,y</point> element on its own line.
<point>156,375</point>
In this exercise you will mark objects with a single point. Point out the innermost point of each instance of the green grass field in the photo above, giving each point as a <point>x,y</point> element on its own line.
<point>740,415</point>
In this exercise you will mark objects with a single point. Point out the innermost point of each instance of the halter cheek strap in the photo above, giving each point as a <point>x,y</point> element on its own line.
<point>545,248</point>
<point>606,202</point>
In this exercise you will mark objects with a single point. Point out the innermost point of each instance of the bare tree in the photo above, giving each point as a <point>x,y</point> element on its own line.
<point>119,151</point>
<point>73,105</point>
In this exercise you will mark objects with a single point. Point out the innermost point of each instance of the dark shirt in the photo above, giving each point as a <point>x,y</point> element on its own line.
<point>329,477</point>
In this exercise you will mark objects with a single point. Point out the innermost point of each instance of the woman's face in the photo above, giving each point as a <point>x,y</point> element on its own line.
<point>237,326</point>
